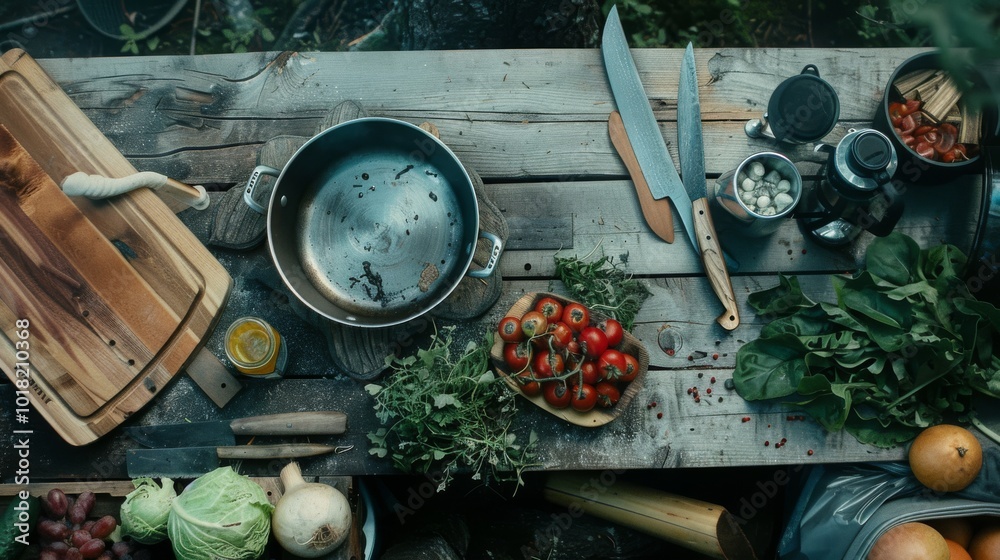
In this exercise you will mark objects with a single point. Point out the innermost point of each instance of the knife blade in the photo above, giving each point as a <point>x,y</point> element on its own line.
<point>640,124</point>
<point>224,432</point>
<point>692,157</point>
<point>191,462</point>
<point>658,215</point>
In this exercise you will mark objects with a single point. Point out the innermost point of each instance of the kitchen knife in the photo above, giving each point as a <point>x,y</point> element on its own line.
<point>658,214</point>
<point>640,124</point>
<point>224,432</point>
<point>692,157</point>
<point>191,462</point>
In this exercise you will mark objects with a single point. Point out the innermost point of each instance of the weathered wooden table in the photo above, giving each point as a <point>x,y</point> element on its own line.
<point>534,125</point>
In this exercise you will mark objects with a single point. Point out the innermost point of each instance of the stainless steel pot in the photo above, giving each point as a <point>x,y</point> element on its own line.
<point>373,222</point>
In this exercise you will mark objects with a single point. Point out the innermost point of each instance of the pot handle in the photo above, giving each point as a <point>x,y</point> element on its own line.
<point>248,192</point>
<point>491,264</point>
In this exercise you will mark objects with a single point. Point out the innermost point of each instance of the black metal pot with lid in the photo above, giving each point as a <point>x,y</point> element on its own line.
<point>802,109</point>
<point>855,191</point>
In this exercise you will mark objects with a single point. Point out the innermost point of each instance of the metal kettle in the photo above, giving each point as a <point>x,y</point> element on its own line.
<point>854,192</point>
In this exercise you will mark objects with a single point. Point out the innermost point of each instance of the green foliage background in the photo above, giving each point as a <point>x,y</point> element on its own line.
<point>813,23</point>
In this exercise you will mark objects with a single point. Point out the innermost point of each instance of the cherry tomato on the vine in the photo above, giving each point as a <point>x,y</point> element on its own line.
<point>550,307</point>
<point>612,365</point>
<point>584,397</point>
<point>590,372</point>
<point>557,394</point>
<point>533,323</point>
<point>607,394</point>
<point>528,386</point>
<point>548,364</point>
<point>631,369</point>
<point>560,334</point>
<point>593,342</point>
<point>613,330</point>
<point>509,329</point>
<point>576,316</point>
<point>517,355</point>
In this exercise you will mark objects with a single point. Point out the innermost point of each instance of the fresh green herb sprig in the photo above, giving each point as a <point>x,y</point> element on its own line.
<point>603,285</point>
<point>903,348</point>
<point>441,414</point>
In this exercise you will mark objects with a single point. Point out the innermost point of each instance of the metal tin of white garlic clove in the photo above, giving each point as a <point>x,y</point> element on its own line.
<point>782,201</point>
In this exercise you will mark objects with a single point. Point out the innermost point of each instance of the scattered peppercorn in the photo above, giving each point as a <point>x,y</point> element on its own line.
<point>690,390</point>
<point>767,443</point>
<point>690,358</point>
<point>745,419</point>
<point>730,384</point>
<point>715,356</point>
<point>720,399</point>
<point>700,375</point>
<point>712,380</point>
<point>697,399</point>
<point>810,452</point>
<point>659,415</point>
<point>670,351</point>
<point>708,391</point>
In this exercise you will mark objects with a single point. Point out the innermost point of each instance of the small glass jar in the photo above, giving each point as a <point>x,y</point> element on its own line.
<point>255,348</point>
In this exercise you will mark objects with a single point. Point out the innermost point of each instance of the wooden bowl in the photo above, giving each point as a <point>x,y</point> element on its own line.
<point>597,416</point>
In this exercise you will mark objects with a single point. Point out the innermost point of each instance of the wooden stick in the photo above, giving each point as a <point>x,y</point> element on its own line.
<point>972,120</point>
<point>940,103</point>
<point>693,524</point>
<point>909,81</point>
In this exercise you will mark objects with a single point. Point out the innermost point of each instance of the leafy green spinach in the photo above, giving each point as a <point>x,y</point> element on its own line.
<point>903,348</point>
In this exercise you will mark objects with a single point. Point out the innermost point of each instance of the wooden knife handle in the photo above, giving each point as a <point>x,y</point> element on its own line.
<point>278,451</point>
<point>715,264</point>
<point>657,213</point>
<point>292,424</point>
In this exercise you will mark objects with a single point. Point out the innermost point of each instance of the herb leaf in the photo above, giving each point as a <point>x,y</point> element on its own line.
<point>603,285</point>
<point>442,413</point>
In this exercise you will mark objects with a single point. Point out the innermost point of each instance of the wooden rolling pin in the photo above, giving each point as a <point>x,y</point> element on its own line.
<point>693,524</point>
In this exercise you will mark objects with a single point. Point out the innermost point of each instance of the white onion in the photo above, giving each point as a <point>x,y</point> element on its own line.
<point>310,519</point>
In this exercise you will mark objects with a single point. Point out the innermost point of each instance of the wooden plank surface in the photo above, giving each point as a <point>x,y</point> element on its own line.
<point>534,125</point>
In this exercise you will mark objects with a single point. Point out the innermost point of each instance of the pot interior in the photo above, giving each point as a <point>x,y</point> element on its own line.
<point>379,222</point>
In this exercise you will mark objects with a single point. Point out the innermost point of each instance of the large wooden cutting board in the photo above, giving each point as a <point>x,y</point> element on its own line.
<point>117,295</point>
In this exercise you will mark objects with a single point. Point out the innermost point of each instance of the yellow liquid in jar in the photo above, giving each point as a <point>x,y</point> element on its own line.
<point>252,346</point>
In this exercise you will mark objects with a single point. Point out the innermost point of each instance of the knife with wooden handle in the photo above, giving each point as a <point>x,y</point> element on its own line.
<point>221,433</point>
<point>191,462</point>
<point>692,157</point>
<point>658,213</point>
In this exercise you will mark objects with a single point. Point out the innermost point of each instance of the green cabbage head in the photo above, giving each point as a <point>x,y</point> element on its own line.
<point>220,516</point>
<point>144,511</point>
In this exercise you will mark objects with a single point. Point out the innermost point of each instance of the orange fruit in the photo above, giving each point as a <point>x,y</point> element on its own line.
<point>956,550</point>
<point>946,458</point>
<point>985,543</point>
<point>910,541</point>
